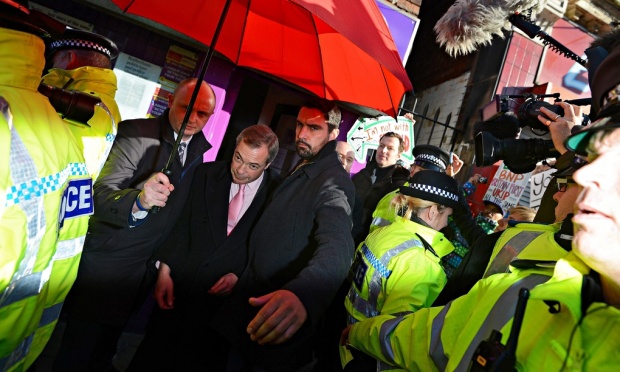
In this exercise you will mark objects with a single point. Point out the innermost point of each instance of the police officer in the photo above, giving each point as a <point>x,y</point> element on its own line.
<point>427,157</point>
<point>572,311</point>
<point>42,177</point>
<point>397,268</point>
<point>81,61</point>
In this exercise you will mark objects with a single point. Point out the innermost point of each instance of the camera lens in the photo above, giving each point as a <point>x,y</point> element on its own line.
<point>530,109</point>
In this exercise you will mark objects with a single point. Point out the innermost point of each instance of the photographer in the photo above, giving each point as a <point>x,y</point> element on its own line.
<point>560,128</point>
<point>477,259</point>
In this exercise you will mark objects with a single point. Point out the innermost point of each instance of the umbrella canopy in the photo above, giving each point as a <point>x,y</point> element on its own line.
<point>340,50</point>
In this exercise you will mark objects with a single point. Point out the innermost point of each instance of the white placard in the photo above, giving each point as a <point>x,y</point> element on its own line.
<point>506,188</point>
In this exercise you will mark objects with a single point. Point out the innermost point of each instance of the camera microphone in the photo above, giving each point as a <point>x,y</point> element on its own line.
<point>470,24</point>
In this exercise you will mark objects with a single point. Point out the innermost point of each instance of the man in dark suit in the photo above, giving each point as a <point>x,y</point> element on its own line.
<point>299,253</point>
<point>205,253</point>
<point>112,280</point>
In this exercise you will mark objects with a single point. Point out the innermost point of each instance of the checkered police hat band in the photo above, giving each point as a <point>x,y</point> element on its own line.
<point>77,43</point>
<point>430,159</point>
<point>435,191</point>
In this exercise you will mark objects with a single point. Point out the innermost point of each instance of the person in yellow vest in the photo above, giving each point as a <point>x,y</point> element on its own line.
<point>80,68</point>
<point>397,268</point>
<point>566,317</point>
<point>81,61</point>
<point>43,184</point>
<point>427,157</point>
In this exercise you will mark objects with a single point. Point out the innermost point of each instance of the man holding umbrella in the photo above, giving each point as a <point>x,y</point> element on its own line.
<point>112,279</point>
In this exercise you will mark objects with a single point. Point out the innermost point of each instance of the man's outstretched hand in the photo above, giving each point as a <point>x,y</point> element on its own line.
<point>282,314</point>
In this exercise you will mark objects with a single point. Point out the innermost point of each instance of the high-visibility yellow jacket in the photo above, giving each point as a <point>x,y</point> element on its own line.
<point>384,214</point>
<point>534,242</point>
<point>96,138</point>
<point>565,327</point>
<point>43,184</point>
<point>395,272</point>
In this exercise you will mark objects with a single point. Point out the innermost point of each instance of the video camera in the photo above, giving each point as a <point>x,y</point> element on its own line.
<point>527,110</point>
<point>502,120</point>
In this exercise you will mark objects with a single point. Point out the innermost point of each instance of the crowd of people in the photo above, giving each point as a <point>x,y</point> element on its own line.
<point>312,270</point>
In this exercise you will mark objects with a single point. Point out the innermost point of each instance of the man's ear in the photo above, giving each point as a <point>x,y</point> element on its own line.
<point>334,134</point>
<point>170,100</point>
<point>267,166</point>
<point>71,60</point>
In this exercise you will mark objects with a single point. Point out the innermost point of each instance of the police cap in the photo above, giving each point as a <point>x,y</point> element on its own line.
<point>79,39</point>
<point>433,186</point>
<point>431,157</point>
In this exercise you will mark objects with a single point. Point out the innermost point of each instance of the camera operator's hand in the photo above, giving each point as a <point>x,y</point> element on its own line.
<point>560,126</point>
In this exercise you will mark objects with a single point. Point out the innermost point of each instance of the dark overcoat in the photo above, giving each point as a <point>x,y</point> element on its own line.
<point>112,278</point>
<point>302,243</point>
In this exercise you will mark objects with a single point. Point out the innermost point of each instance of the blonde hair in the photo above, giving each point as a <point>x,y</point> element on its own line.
<point>405,206</point>
<point>521,213</point>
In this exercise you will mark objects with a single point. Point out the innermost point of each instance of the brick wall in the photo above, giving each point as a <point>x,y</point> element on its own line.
<point>445,98</point>
<point>410,6</point>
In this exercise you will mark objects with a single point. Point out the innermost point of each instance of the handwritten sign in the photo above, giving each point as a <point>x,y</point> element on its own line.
<point>506,188</point>
<point>538,184</point>
<point>365,134</point>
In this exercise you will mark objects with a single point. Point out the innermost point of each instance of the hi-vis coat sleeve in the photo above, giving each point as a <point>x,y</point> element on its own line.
<point>444,338</point>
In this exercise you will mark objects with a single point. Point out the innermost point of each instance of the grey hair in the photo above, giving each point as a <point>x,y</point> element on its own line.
<point>258,135</point>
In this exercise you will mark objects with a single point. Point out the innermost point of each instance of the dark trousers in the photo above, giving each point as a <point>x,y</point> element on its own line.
<point>87,346</point>
<point>333,323</point>
<point>179,339</point>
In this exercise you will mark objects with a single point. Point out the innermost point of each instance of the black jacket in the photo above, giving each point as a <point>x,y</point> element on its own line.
<point>301,243</point>
<point>112,278</point>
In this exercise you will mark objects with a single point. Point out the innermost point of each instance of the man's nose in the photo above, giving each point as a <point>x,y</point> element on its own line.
<point>302,132</point>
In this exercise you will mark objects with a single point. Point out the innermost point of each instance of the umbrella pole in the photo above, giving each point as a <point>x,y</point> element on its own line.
<point>190,107</point>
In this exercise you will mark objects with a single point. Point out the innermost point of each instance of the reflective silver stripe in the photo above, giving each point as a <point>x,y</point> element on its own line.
<point>24,287</point>
<point>109,138</point>
<point>50,314</point>
<point>502,312</point>
<point>509,251</point>
<point>69,248</point>
<point>24,282</point>
<point>18,354</point>
<point>380,222</point>
<point>436,351</point>
<point>368,308</point>
<point>384,338</point>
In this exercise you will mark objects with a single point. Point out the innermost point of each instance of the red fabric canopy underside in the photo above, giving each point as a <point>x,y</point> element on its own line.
<point>337,49</point>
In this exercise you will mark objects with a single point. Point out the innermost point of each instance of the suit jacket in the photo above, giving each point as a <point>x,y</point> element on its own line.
<point>301,243</point>
<point>112,278</point>
<point>198,250</point>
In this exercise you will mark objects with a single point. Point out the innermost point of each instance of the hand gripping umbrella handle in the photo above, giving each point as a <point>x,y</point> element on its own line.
<point>168,174</point>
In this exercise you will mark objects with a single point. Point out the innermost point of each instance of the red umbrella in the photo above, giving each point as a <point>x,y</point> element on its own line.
<point>340,50</point>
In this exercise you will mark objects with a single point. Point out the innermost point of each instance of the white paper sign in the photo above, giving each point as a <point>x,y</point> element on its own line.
<point>506,188</point>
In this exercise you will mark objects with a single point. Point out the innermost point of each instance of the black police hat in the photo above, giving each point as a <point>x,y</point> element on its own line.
<point>433,186</point>
<point>431,157</point>
<point>16,15</point>
<point>78,39</point>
